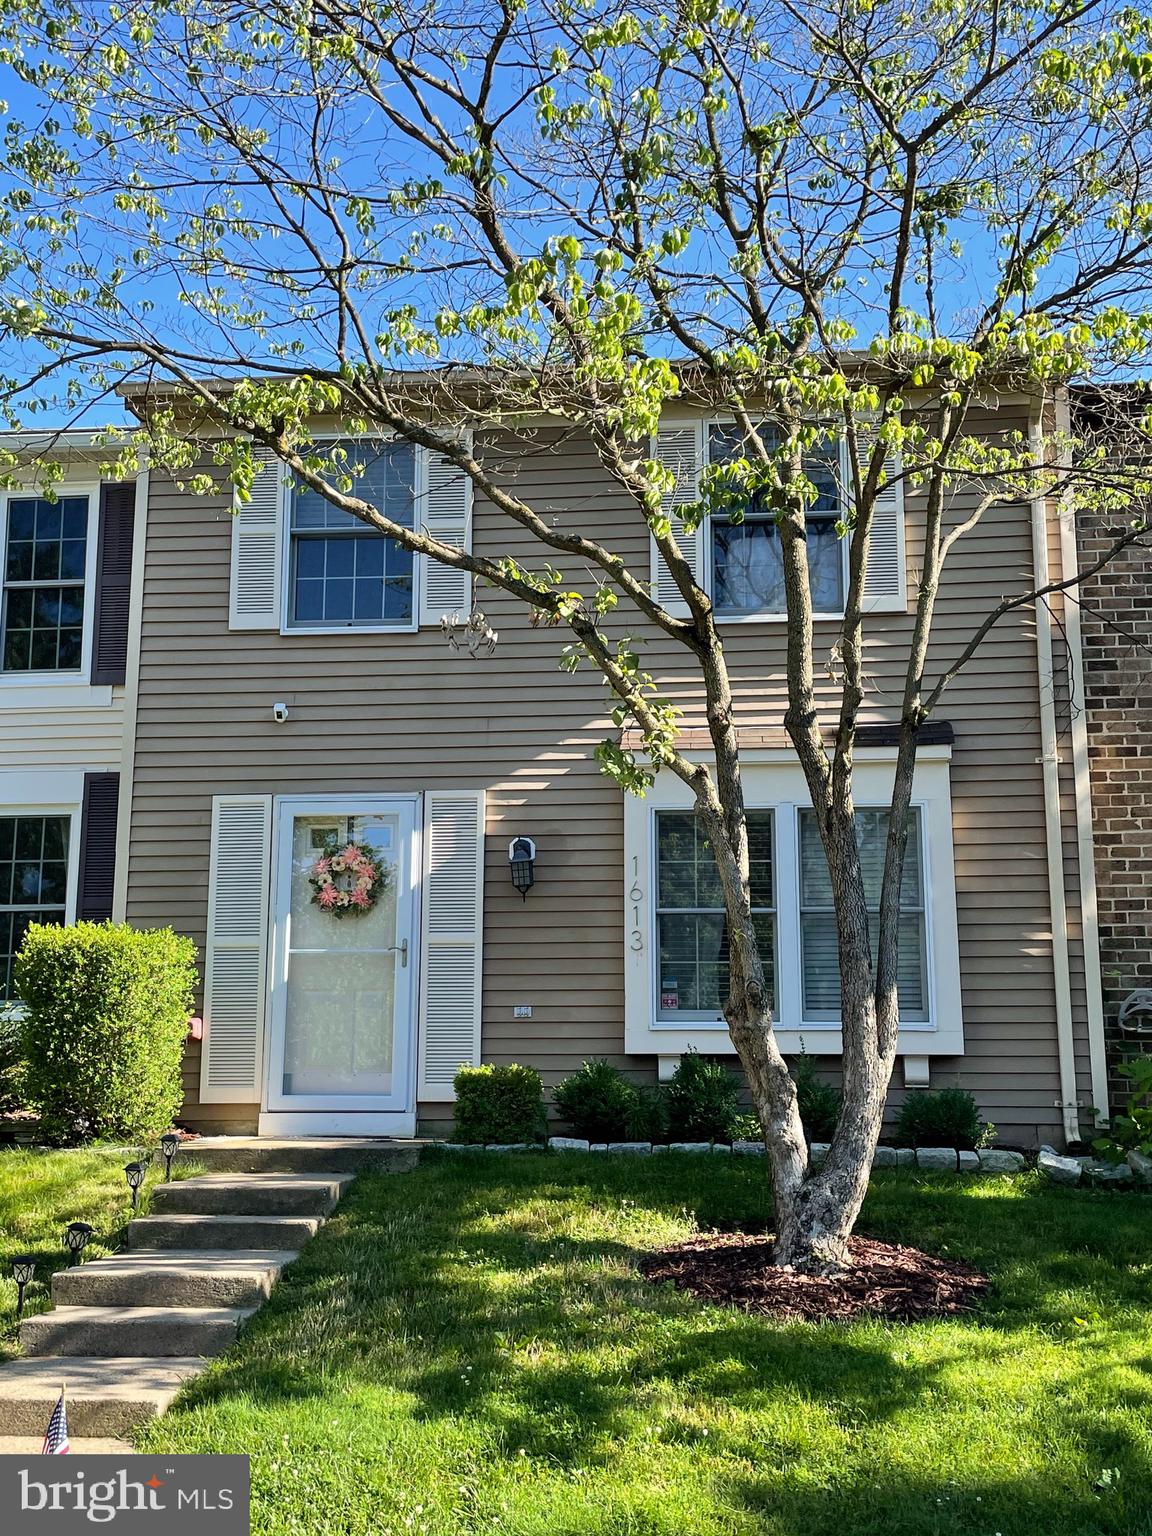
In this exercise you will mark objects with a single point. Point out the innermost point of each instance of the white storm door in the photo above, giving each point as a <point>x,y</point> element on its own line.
<point>343,1017</point>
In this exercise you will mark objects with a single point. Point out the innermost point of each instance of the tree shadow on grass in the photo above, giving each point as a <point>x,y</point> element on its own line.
<point>1102,1490</point>
<point>456,1287</point>
<point>489,1311</point>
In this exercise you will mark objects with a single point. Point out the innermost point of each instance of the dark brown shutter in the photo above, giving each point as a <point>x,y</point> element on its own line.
<point>113,583</point>
<point>98,846</point>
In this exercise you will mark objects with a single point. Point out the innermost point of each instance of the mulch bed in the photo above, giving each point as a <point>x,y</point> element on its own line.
<point>886,1280</point>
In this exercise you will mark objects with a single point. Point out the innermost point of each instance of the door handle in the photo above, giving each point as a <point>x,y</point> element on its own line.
<point>402,949</point>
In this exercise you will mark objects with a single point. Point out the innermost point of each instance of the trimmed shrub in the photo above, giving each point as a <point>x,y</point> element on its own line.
<point>817,1100</point>
<point>647,1116</point>
<point>947,1117</point>
<point>107,1011</point>
<point>701,1100</point>
<point>499,1104</point>
<point>596,1101</point>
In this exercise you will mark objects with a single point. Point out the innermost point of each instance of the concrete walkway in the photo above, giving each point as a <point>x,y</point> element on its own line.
<point>126,1332</point>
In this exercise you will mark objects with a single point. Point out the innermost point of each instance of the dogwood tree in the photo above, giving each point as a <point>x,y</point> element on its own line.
<point>843,224</point>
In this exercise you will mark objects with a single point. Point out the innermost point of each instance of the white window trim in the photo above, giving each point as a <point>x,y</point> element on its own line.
<point>289,491</point>
<point>67,690</point>
<point>774,780</point>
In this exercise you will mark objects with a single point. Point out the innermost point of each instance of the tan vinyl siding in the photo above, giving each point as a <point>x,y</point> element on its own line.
<point>80,738</point>
<point>387,713</point>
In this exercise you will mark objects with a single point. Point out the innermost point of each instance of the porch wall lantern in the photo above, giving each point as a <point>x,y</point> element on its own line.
<point>522,862</point>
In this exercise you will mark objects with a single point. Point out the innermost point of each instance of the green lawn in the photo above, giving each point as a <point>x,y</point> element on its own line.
<point>468,1349</point>
<point>40,1193</point>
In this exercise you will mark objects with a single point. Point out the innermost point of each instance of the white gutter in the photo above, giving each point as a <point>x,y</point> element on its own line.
<point>1065,1037</point>
<point>1085,845</point>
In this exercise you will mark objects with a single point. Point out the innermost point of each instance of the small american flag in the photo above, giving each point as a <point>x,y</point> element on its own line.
<point>56,1442</point>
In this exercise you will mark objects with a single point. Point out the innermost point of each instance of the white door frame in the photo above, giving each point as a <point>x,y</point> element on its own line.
<point>353,1114</point>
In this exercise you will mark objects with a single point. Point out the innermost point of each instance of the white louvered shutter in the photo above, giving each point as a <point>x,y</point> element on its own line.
<point>444,511</point>
<point>886,582</point>
<point>453,902</point>
<point>236,952</point>
<point>680,449</point>
<point>257,540</point>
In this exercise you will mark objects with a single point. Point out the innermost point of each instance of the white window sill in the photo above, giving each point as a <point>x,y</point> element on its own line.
<point>813,1040</point>
<point>42,692</point>
<point>678,1026</point>
<point>774,618</point>
<point>351,629</point>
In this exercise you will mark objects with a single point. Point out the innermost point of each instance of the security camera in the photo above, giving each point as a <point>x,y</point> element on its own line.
<point>280,711</point>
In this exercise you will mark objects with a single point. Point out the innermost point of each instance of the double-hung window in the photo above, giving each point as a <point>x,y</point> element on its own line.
<point>692,938</point>
<point>792,913</point>
<point>747,569</point>
<point>33,882</point>
<point>818,944</point>
<point>45,557</point>
<point>342,573</point>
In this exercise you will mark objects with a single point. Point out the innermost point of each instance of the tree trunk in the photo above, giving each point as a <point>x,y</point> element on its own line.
<point>812,1234</point>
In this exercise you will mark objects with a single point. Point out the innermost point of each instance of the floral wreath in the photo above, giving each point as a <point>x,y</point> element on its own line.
<point>348,879</point>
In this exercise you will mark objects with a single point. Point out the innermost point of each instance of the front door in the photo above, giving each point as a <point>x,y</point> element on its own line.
<point>343,996</point>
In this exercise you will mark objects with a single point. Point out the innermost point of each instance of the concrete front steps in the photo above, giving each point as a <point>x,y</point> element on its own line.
<point>126,1332</point>
<point>105,1396</point>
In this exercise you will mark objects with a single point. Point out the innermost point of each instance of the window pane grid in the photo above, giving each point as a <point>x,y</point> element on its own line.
<point>692,928</point>
<point>33,882</point>
<point>45,552</point>
<point>342,573</point>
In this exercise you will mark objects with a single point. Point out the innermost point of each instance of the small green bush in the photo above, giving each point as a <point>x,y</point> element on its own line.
<point>106,1013</point>
<point>503,1104</point>
<point>646,1118</point>
<point>701,1100</point>
<point>596,1101</point>
<point>747,1127</point>
<point>948,1117</point>
<point>818,1101</point>
<point>1131,1131</point>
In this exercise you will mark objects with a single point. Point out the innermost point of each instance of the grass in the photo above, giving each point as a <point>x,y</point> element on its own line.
<point>40,1193</point>
<point>468,1349</point>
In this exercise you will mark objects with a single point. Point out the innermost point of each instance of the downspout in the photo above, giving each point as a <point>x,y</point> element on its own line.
<point>1065,1038</point>
<point>1085,845</point>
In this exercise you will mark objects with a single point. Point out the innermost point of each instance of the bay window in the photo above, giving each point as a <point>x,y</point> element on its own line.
<point>676,965</point>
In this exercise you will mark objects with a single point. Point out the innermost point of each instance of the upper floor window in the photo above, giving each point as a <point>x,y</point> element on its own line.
<point>45,557</point>
<point>747,569</point>
<point>33,882</point>
<point>343,574</point>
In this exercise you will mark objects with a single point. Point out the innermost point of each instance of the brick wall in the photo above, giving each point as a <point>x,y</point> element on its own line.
<point>1116,613</point>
